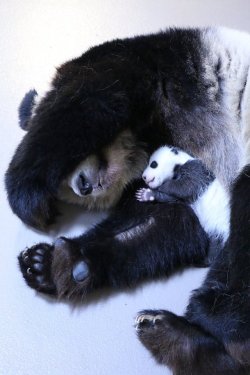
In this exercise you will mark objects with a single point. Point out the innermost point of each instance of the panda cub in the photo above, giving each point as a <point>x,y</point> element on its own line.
<point>175,176</point>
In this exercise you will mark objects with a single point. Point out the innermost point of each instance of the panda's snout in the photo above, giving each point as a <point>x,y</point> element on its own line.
<point>84,185</point>
<point>147,180</point>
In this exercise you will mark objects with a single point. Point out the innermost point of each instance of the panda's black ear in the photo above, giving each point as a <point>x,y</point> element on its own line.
<point>25,108</point>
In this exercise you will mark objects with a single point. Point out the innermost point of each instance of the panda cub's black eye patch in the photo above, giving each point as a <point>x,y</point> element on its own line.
<point>154,164</point>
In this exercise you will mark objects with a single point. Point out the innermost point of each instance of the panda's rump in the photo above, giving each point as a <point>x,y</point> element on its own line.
<point>213,211</point>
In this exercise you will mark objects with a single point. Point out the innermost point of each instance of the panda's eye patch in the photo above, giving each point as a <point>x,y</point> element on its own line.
<point>154,164</point>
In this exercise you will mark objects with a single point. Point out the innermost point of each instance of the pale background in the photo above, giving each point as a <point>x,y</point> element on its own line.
<point>38,337</point>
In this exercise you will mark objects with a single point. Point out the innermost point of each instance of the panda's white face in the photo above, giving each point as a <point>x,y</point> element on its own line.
<point>162,164</point>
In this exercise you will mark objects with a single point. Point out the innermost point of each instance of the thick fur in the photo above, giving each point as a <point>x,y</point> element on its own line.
<point>26,108</point>
<point>186,87</point>
<point>174,175</point>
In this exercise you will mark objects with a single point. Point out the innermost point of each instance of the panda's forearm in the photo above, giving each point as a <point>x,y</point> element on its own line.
<point>160,196</point>
<point>127,214</point>
<point>186,189</point>
<point>188,183</point>
<point>74,267</point>
<point>117,222</point>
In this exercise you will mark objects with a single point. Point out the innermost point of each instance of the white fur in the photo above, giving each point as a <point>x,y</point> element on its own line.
<point>232,47</point>
<point>213,211</point>
<point>212,207</point>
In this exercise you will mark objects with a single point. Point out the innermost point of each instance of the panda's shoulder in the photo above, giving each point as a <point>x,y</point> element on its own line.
<point>192,167</point>
<point>198,171</point>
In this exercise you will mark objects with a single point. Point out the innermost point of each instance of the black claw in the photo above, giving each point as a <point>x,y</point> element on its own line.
<point>26,259</point>
<point>29,272</point>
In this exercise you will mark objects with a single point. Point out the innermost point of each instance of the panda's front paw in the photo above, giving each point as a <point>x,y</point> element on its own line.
<point>144,195</point>
<point>60,269</point>
<point>35,265</point>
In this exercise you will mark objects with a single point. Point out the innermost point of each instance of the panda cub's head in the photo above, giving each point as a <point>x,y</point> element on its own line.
<point>162,164</point>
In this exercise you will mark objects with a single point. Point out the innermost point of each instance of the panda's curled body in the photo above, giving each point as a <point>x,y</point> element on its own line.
<point>186,87</point>
<point>174,175</point>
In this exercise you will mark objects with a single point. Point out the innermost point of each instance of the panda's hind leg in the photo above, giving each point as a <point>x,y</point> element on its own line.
<point>182,346</point>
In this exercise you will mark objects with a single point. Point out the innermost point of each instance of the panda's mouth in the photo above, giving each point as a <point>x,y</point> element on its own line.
<point>98,187</point>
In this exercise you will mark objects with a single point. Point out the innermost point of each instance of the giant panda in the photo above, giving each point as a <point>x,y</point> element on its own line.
<point>87,141</point>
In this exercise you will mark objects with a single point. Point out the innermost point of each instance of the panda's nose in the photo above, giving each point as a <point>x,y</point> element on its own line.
<point>84,186</point>
<point>148,181</point>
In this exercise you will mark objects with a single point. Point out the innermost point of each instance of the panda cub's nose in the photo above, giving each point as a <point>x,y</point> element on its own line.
<point>147,181</point>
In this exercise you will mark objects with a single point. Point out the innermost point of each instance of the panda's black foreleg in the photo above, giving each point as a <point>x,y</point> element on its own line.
<point>137,242</point>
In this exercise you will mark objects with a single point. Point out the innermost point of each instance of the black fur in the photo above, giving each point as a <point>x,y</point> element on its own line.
<point>155,86</point>
<point>119,84</point>
<point>217,316</point>
<point>117,259</point>
<point>25,108</point>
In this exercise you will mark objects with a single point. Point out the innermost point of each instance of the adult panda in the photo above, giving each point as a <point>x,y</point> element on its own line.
<point>186,87</point>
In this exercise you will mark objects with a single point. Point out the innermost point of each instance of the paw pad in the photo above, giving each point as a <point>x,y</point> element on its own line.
<point>35,264</point>
<point>144,195</point>
<point>80,271</point>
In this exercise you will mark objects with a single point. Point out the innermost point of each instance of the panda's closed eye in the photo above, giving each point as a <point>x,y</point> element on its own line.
<point>154,164</point>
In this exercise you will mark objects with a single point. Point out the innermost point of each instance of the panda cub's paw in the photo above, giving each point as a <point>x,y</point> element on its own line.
<point>144,195</point>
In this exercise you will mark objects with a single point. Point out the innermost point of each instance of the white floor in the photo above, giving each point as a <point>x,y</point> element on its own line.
<point>37,336</point>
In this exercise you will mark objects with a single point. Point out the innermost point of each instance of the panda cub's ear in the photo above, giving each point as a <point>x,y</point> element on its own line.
<point>154,164</point>
<point>175,150</point>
